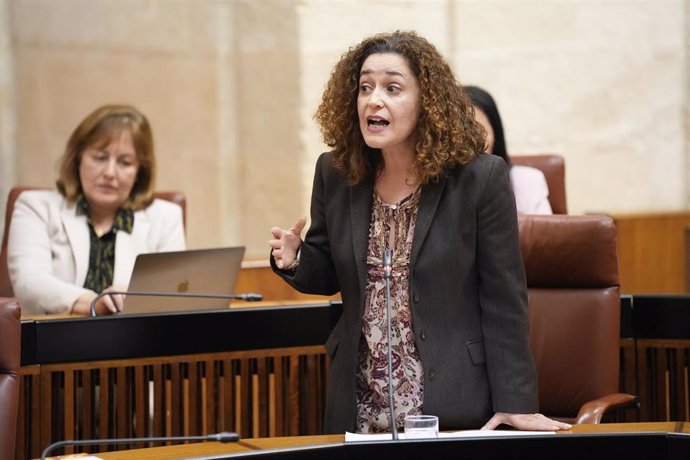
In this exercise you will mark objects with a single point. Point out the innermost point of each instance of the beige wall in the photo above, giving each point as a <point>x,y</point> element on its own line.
<point>602,82</point>
<point>7,107</point>
<point>230,87</point>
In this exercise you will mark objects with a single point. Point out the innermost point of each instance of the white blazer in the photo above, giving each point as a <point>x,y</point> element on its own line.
<point>49,244</point>
<point>530,189</point>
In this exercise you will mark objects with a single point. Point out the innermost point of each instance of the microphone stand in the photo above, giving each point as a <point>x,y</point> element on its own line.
<point>224,437</point>
<point>249,297</point>
<point>387,268</point>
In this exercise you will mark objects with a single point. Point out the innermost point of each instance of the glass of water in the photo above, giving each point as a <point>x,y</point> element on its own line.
<point>421,426</point>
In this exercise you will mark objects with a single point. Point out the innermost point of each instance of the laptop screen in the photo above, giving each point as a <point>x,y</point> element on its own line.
<point>211,271</point>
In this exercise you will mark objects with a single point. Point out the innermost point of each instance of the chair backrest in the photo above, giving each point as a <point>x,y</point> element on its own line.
<point>553,167</point>
<point>10,333</point>
<point>5,284</point>
<point>571,264</point>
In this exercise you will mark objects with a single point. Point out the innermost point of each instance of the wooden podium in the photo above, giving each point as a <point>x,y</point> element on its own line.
<point>660,440</point>
<point>244,369</point>
<point>260,371</point>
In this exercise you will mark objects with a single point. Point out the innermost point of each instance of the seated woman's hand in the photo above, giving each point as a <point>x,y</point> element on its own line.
<point>109,304</point>
<point>106,305</point>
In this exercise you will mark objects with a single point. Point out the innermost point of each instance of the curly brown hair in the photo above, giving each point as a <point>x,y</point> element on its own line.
<point>447,133</point>
<point>98,129</point>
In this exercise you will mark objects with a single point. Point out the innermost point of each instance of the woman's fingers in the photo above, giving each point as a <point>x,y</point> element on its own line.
<point>107,302</point>
<point>530,422</point>
<point>299,226</point>
<point>118,301</point>
<point>113,303</point>
<point>492,423</point>
<point>285,242</point>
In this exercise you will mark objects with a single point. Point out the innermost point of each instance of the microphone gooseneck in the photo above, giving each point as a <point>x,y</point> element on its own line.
<point>249,297</point>
<point>224,437</point>
<point>387,269</point>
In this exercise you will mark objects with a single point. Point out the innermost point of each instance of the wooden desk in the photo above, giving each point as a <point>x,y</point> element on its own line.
<point>259,371</point>
<point>593,434</point>
<point>257,276</point>
<point>215,448</point>
<point>243,369</point>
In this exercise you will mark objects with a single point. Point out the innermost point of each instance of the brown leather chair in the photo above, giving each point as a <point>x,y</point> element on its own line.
<point>571,264</point>
<point>10,331</point>
<point>553,167</point>
<point>5,285</point>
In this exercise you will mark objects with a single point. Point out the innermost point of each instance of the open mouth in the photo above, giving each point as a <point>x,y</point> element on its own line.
<point>377,121</point>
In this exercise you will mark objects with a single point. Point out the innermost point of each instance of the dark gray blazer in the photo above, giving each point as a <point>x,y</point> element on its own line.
<point>468,294</point>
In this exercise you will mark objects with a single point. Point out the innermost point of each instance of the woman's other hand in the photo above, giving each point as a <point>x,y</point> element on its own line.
<point>525,422</point>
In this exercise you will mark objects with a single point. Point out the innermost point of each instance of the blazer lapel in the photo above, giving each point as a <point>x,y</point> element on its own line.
<point>78,234</point>
<point>361,196</point>
<point>428,203</point>
<point>128,246</point>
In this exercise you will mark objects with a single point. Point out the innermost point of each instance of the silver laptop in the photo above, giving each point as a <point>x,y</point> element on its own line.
<point>200,272</point>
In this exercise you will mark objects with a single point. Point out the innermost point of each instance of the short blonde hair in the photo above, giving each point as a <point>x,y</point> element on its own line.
<point>98,129</point>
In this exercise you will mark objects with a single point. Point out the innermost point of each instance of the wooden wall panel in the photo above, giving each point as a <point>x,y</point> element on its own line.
<point>257,276</point>
<point>652,256</point>
<point>652,252</point>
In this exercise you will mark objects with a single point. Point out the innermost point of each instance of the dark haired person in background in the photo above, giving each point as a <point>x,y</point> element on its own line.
<point>406,173</point>
<point>529,184</point>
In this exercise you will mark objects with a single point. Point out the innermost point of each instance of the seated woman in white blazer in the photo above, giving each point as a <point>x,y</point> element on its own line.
<point>67,246</point>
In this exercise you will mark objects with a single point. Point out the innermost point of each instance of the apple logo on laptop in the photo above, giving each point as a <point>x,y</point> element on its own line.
<point>183,286</point>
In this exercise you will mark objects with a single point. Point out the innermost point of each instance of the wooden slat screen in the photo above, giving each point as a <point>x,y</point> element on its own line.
<point>256,393</point>
<point>663,379</point>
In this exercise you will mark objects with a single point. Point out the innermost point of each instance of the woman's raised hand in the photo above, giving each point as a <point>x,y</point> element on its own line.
<point>285,243</point>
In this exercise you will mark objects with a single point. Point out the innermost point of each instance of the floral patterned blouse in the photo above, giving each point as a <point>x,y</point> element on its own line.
<point>394,224</point>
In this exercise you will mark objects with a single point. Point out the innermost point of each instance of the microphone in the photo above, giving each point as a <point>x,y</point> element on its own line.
<point>249,297</point>
<point>224,437</point>
<point>387,269</point>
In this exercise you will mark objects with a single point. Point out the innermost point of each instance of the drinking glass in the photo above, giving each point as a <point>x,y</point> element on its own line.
<point>421,426</point>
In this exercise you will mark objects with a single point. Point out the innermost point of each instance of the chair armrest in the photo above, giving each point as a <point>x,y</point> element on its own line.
<point>593,411</point>
<point>10,337</point>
